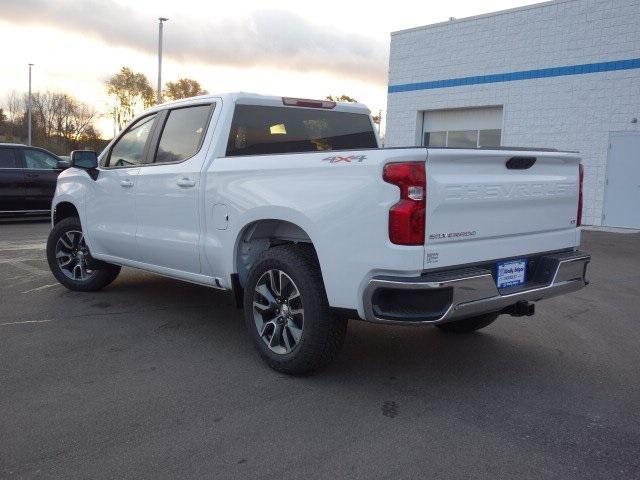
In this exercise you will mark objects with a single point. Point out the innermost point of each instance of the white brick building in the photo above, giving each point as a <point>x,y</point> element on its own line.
<point>562,74</point>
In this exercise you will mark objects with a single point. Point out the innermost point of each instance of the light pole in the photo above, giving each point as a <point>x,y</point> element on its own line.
<point>161,19</point>
<point>29,109</point>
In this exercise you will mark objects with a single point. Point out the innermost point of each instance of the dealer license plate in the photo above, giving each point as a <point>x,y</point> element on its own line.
<point>511,273</point>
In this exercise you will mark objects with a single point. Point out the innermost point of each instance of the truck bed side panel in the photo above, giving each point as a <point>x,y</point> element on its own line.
<point>338,198</point>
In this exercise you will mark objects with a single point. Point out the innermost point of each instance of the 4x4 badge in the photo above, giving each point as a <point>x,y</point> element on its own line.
<point>349,159</point>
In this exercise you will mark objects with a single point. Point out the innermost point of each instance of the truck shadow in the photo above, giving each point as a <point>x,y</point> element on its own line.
<point>413,360</point>
<point>391,347</point>
<point>425,363</point>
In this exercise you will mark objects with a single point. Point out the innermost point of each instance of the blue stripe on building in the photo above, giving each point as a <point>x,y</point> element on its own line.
<point>522,75</point>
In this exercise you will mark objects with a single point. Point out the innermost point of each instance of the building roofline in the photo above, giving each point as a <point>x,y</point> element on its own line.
<point>483,15</point>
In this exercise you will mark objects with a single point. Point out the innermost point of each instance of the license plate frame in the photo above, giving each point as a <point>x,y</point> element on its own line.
<point>511,273</point>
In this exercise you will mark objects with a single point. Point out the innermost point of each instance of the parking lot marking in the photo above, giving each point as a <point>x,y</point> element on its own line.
<point>20,259</point>
<point>26,321</point>
<point>14,277</point>
<point>27,268</point>
<point>42,288</point>
<point>22,246</point>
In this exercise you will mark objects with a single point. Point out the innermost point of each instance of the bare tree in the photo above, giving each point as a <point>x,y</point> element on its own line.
<point>14,106</point>
<point>64,115</point>
<point>60,121</point>
<point>84,118</point>
<point>45,106</point>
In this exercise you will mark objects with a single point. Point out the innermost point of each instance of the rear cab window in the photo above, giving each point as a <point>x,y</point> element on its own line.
<point>263,130</point>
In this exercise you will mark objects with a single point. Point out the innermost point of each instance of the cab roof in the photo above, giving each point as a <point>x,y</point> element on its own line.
<point>245,98</point>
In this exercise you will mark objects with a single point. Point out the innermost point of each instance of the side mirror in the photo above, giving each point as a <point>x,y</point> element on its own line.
<point>85,159</point>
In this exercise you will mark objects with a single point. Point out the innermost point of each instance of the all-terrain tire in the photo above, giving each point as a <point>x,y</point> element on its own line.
<point>322,333</point>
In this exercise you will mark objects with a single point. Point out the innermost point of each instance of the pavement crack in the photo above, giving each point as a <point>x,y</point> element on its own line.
<point>390,409</point>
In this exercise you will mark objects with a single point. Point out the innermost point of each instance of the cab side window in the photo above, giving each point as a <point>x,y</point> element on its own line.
<point>183,133</point>
<point>8,158</point>
<point>37,160</point>
<point>129,150</point>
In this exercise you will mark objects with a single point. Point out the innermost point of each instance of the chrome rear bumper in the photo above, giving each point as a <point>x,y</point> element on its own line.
<point>468,292</point>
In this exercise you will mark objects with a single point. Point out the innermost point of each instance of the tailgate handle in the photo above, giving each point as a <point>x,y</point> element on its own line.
<point>520,163</point>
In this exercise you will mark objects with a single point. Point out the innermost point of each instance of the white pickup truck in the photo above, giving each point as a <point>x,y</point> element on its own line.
<point>291,205</point>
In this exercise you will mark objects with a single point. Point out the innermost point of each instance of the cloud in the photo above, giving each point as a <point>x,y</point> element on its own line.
<point>268,38</point>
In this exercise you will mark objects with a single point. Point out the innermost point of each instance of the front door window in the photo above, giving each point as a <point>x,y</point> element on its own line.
<point>129,150</point>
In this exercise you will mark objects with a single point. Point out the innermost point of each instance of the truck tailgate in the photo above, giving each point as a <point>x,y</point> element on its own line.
<point>479,208</point>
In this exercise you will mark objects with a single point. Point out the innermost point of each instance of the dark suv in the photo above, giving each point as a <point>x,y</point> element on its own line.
<point>27,178</point>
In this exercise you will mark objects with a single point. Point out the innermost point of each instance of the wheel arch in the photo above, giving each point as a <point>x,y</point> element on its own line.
<point>62,210</point>
<point>260,235</point>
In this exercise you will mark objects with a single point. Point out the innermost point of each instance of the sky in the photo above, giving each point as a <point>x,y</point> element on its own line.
<point>289,48</point>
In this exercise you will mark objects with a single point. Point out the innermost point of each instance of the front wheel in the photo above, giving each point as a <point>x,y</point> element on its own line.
<point>468,325</point>
<point>287,313</point>
<point>70,260</point>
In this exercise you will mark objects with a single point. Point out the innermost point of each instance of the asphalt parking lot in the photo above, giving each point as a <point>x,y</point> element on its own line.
<point>154,378</point>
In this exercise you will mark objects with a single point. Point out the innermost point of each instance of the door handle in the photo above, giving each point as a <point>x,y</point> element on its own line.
<point>186,182</point>
<point>32,175</point>
<point>126,183</point>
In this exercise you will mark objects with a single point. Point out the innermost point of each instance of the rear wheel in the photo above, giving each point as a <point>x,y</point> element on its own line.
<point>70,260</point>
<point>287,313</point>
<point>468,325</point>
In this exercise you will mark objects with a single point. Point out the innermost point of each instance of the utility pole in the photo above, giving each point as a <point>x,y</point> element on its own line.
<point>160,21</point>
<point>29,109</point>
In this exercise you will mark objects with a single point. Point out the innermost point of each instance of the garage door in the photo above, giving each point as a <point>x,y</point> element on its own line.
<point>463,127</point>
<point>622,191</point>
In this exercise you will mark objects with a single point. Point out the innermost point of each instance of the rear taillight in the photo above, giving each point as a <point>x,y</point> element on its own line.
<point>579,215</point>
<point>406,218</point>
